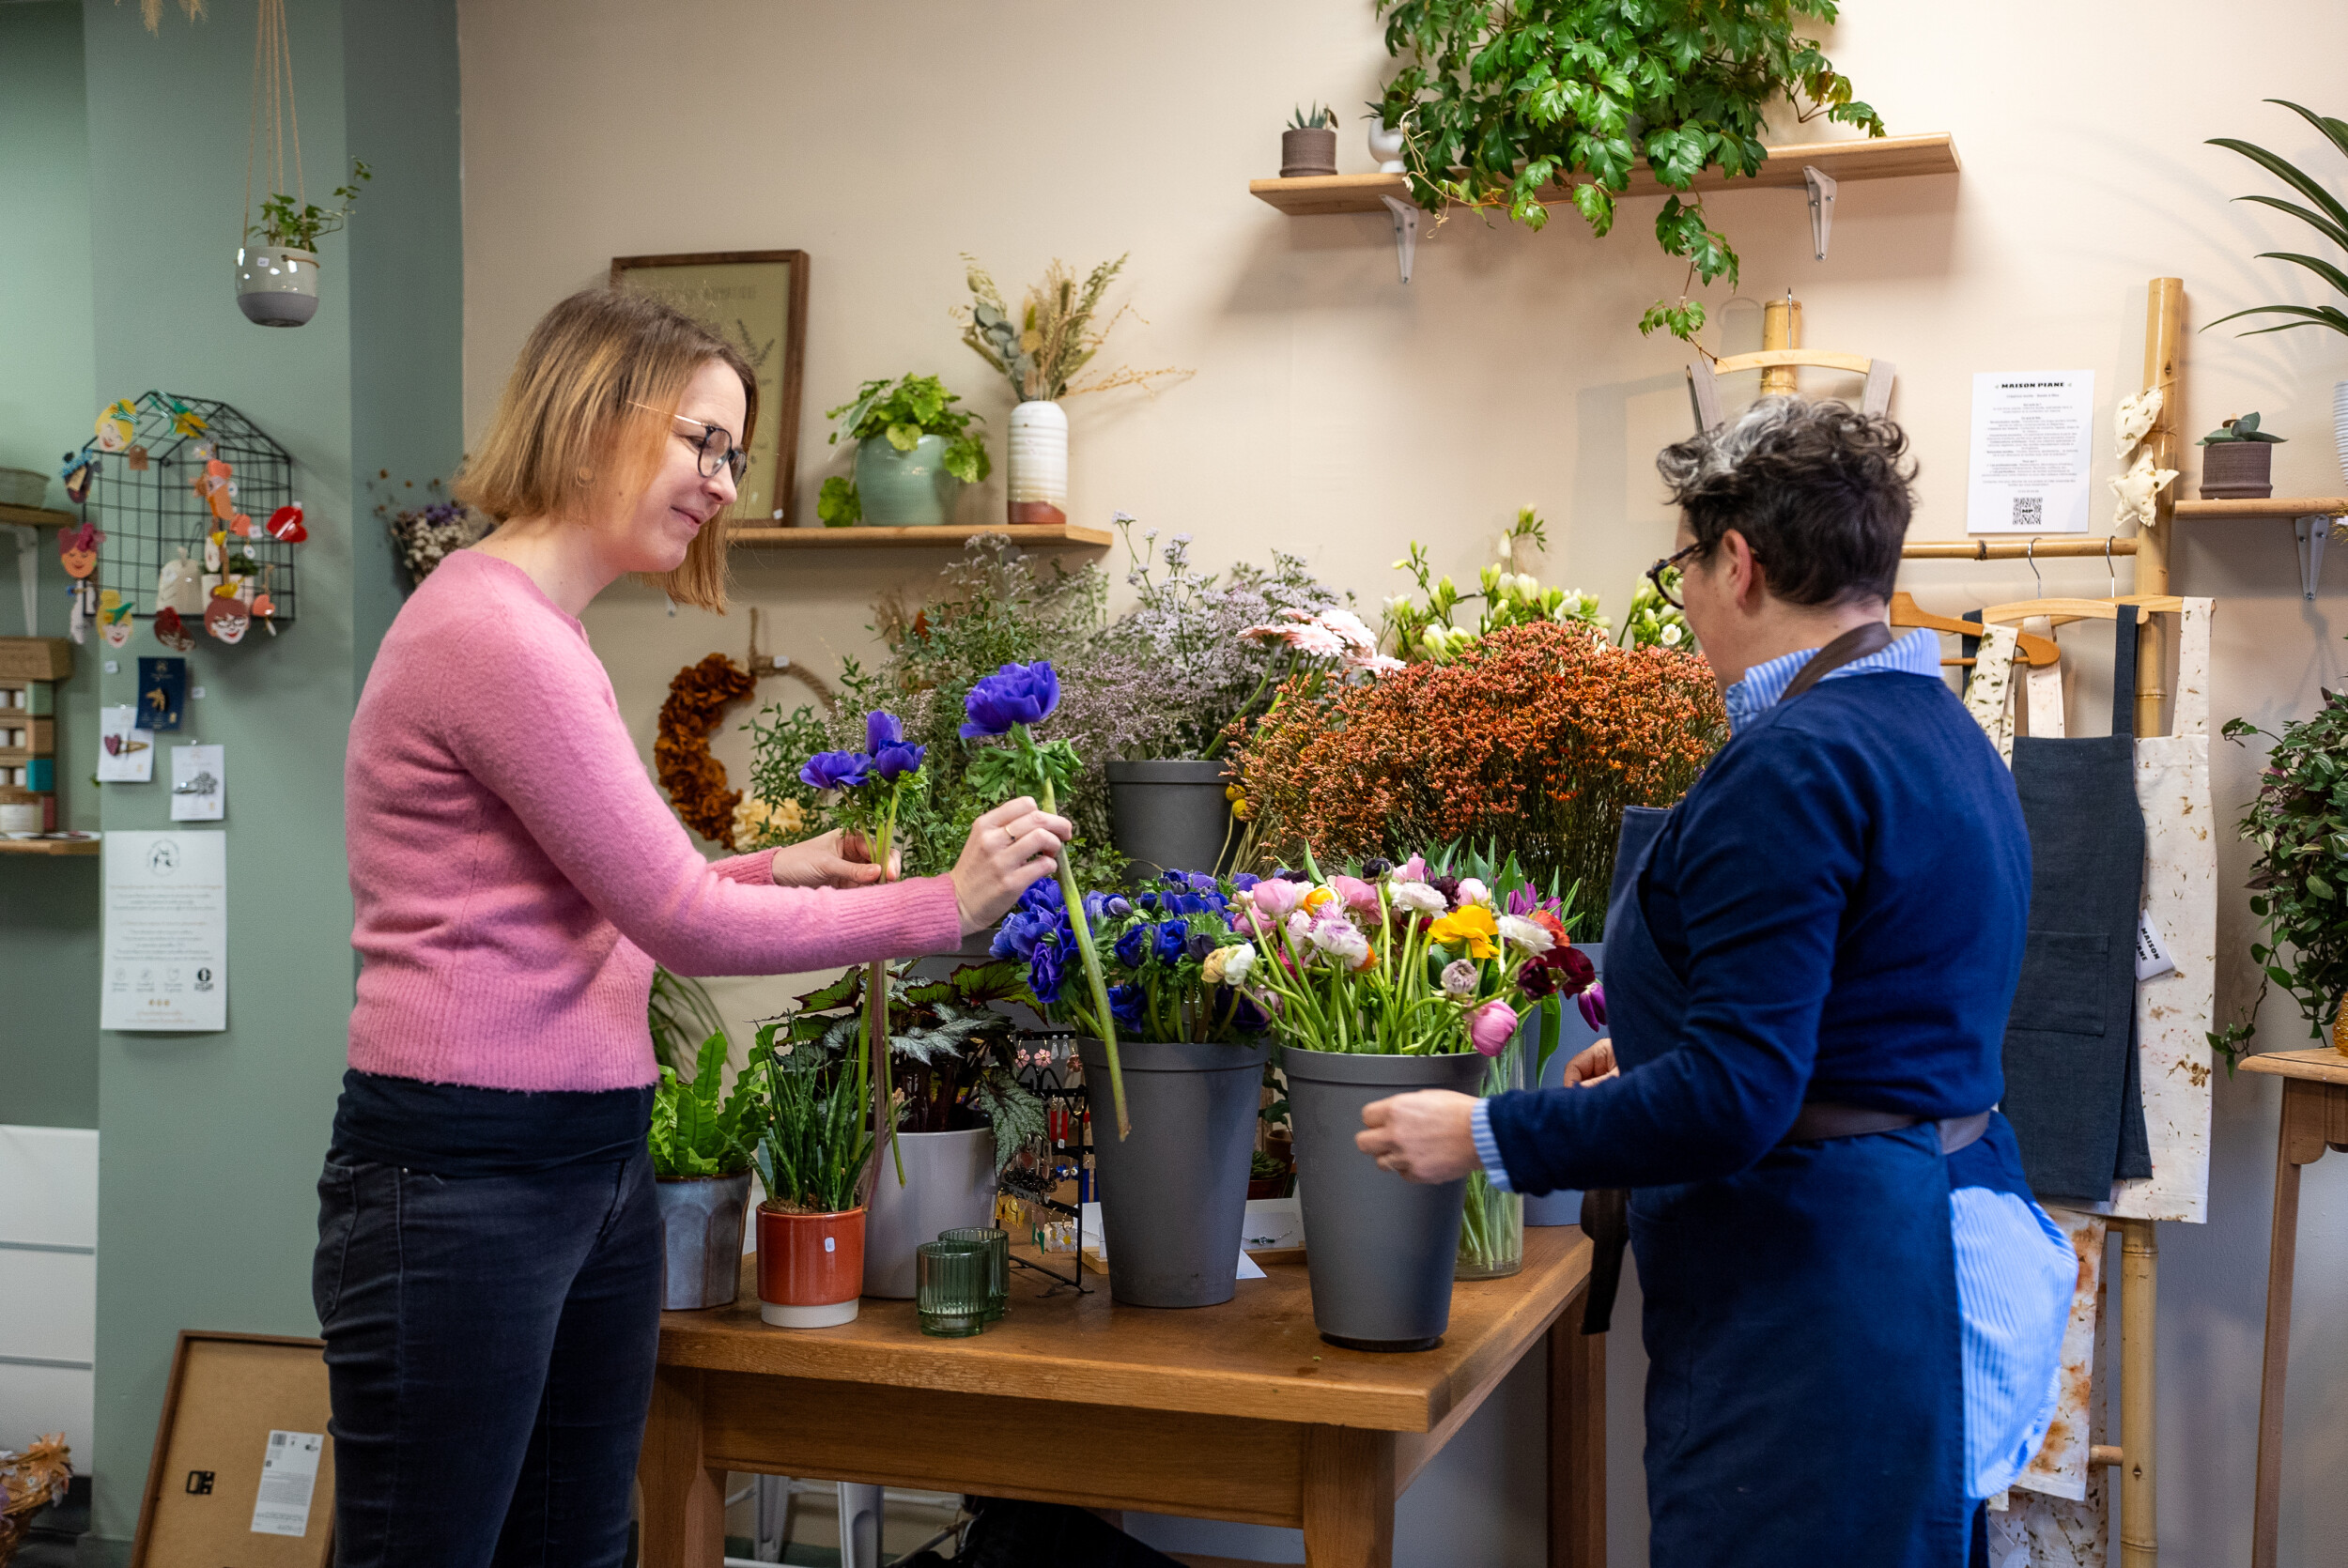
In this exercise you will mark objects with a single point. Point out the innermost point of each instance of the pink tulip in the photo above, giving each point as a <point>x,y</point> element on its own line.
<point>1277,896</point>
<point>1491,1026</point>
<point>1357,894</point>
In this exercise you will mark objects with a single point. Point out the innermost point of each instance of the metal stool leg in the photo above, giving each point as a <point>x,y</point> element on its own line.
<point>861,1525</point>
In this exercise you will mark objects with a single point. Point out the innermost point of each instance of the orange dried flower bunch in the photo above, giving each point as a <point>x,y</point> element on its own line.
<point>695,779</point>
<point>1534,740</point>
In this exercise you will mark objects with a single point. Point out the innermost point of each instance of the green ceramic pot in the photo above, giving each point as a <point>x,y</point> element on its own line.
<point>905,490</point>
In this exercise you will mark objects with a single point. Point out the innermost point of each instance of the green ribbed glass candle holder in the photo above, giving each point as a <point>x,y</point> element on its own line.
<point>997,1245</point>
<point>949,1283</point>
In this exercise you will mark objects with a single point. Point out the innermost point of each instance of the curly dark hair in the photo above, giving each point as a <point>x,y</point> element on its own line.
<point>1820,490</point>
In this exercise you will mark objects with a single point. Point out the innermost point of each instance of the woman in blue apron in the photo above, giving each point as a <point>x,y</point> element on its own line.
<point>1854,1310</point>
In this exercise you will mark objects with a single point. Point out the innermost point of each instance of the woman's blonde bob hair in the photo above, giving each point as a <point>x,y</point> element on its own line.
<point>568,425</point>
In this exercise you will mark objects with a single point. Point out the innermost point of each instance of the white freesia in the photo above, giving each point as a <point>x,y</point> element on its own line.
<point>1518,931</point>
<point>1473,892</point>
<point>1418,898</point>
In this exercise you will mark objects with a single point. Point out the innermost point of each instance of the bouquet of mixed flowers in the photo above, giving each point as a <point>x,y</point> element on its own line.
<point>1164,952</point>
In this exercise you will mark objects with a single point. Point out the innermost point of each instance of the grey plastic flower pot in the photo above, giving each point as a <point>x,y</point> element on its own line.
<point>701,1240</point>
<point>1170,815</point>
<point>1380,1250</point>
<point>948,1185</point>
<point>1174,1193</point>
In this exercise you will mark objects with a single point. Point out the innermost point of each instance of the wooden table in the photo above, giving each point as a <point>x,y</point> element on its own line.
<point>2315,1117</point>
<point>1238,1412</point>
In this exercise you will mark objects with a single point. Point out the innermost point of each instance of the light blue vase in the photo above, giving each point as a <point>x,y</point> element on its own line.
<point>905,490</point>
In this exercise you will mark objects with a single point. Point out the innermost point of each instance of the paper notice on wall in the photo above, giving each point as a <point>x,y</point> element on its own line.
<point>289,1474</point>
<point>126,753</point>
<point>2032,444</point>
<point>166,947</point>
<point>199,783</point>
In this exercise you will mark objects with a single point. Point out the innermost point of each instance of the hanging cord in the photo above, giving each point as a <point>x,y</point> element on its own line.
<point>272,83</point>
<point>2109,569</point>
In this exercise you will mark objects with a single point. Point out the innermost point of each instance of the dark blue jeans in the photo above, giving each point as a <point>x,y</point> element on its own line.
<point>489,1345</point>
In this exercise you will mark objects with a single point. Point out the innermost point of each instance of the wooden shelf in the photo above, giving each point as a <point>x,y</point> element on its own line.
<point>48,846</point>
<point>1883,158</point>
<point>1071,535</point>
<point>37,516</point>
<point>2273,506</point>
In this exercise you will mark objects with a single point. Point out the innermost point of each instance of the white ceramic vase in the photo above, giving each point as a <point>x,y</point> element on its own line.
<point>1385,146</point>
<point>277,285</point>
<point>2339,425</point>
<point>1036,463</point>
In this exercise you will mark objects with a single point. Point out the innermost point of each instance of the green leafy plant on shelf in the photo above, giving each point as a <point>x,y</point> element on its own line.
<point>697,1128</point>
<point>2299,881</point>
<point>2243,428</point>
<point>301,228</point>
<point>2326,214</point>
<point>1499,99</point>
<point>900,412</point>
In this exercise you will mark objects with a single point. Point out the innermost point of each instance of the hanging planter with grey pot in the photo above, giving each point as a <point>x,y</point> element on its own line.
<point>1170,815</point>
<point>701,1238</point>
<point>1380,1250</point>
<point>1174,1193</point>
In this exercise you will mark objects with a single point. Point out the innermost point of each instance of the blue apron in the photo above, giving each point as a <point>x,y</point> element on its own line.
<point>1805,1394</point>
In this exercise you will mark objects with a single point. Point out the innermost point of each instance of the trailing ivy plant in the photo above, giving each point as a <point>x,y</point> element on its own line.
<point>2299,883</point>
<point>1499,98</point>
<point>903,412</point>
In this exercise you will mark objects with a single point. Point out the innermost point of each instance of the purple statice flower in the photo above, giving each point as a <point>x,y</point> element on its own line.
<point>1016,693</point>
<point>836,770</point>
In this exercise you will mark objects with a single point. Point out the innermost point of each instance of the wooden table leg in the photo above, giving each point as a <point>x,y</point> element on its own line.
<point>1348,1497</point>
<point>685,1501</point>
<point>1577,1444</point>
<point>2301,1140</point>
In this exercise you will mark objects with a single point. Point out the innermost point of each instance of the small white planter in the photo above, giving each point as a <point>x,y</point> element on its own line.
<point>277,285</point>
<point>2340,423</point>
<point>1036,463</point>
<point>1385,146</point>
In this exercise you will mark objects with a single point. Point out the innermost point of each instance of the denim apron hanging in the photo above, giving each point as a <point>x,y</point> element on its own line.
<point>2072,1089</point>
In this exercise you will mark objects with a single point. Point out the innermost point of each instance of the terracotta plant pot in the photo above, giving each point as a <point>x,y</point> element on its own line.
<point>2237,470</point>
<point>811,1268</point>
<point>1307,152</point>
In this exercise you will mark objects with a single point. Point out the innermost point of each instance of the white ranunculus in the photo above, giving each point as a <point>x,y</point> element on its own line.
<point>1237,961</point>
<point>1518,931</point>
<point>1342,942</point>
<point>1418,898</point>
<point>1459,978</point>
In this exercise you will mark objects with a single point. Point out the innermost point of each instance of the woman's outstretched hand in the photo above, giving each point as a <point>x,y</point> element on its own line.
<point>834,859</point>
<point>1011,848</point>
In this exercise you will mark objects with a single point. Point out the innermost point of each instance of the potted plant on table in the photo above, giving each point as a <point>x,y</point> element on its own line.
<point>957,1113</point>
<point>2295,882</point>
<point>701,1157</point>
<point>813,1143</point>
<point>1191,1049</point>
<point>2237,461</point>
<point>277,279</point>
<point>1149,700</point>
<point>1376,988</point>
<point>914,452</point>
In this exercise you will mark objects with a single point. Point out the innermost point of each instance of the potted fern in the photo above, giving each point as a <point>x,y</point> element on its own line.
<point>702,1156</point>
<point>277,279</point>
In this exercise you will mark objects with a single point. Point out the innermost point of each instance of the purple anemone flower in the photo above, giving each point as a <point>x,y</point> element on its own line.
<point>836,770</point>
<point>1016,693</point>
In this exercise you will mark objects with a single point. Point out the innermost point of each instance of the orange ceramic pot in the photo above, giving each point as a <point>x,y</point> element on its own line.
<point>810,1267</point>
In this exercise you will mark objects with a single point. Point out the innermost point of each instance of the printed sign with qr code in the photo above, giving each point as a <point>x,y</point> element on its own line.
<point>2029,512</point>
<point>2031,452</point>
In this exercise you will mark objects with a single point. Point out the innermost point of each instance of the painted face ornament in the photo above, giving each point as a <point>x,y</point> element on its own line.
<point>77,547</point>
<point>227,616</point>
<point>115,424</point>
<point>114,618</point>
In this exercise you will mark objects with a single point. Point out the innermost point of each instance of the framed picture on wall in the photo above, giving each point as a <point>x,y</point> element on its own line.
<point>757,301</point>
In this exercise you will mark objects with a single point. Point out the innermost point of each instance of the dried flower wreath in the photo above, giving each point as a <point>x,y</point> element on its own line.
<point>696,781</point>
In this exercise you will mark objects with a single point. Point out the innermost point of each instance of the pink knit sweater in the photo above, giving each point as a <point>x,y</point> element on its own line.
<point>515,875</point>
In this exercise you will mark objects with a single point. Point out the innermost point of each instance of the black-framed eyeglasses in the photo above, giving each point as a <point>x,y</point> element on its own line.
<point>713,448</point>
<point>1655,574</point>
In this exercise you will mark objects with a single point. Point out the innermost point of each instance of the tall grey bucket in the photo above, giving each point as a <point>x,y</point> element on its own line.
<point>948,1185</point>
<point>701,1240</point>
<point>1174,1194</point>
<point>1170,816</point>
<point>1380,1250</point>
<point>1563,1207</point>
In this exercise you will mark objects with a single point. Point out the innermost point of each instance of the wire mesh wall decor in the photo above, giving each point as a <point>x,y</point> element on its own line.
<point>157,492</point>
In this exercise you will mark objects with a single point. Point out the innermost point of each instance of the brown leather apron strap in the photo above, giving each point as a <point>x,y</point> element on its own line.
<point>1857,643</point>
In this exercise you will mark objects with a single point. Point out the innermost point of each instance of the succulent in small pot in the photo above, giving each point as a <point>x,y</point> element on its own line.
<point>2237,461</point>
<point>813,1147</point>
<point>915,451</point>
<point>702,1159</point>
<point>1309,145</point>
<point>277,267</point>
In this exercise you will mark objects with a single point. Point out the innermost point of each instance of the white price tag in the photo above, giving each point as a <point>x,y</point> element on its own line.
<point>289,1473</point>
<point>2151,959</point>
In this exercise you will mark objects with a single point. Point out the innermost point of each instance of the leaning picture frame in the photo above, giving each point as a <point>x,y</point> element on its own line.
<point>757,301</point>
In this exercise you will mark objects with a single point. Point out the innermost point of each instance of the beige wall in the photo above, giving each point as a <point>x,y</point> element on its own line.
<point>1340,414</point>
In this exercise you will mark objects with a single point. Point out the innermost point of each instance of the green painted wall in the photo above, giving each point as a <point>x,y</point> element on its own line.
<point>48,397</point>
<point>211,1143</point>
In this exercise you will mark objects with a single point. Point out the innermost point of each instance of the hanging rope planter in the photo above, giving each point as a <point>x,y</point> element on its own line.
<point>277,278</point>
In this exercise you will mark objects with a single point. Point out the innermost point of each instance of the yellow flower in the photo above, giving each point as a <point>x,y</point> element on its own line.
<point>1472,926</point>
<point>756,821</point>
<point>1317,897</point>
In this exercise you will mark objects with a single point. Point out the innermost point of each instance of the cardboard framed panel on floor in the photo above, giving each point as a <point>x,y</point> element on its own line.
<point>243,1471</point>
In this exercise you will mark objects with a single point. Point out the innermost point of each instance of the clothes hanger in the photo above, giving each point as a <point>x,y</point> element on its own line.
<point>1907,613</point>
<point>2063,611</point>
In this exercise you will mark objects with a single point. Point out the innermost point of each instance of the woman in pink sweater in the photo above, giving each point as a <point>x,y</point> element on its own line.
<point>488,1267</point>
